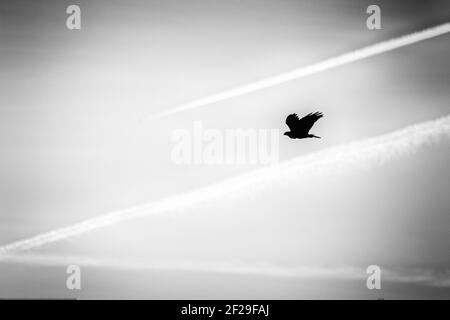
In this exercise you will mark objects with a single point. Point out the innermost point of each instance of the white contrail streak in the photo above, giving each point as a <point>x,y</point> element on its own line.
<point>429,277</point>
<point>302,72</point>
<point>364,153</point>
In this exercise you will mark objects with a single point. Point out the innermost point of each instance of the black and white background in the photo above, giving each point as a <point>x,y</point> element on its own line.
<point>78,141</point>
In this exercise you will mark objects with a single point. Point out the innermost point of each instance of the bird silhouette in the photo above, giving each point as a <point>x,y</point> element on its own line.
<point>300,127</point>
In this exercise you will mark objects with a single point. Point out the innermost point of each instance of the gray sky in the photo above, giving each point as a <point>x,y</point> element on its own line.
<point>74,146</point>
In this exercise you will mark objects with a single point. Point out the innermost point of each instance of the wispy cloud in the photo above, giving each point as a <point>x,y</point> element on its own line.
<point>365,153</point>
<point>423,276</point>
<point>308,70</point>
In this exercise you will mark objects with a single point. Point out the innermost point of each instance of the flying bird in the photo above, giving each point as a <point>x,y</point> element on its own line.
<point>300,127</point>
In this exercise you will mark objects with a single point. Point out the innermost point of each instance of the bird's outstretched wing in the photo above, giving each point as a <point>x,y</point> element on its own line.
<point>305,124</point>
<point>292,121</point>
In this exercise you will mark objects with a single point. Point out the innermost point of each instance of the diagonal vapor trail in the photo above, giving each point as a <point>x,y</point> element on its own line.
<point>365,153</point>
<point>305,71</point>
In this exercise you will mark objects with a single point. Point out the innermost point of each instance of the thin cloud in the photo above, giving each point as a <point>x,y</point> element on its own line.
<point>423,276</point>
<point>302,72</point>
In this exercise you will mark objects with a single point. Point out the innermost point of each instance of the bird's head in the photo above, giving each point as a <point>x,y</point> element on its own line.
<point>287,133</point>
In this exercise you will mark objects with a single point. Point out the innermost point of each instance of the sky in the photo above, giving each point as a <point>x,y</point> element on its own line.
<point>75,145</point>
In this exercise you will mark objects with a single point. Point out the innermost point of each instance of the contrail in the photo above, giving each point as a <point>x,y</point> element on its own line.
<point>308,70</point>
<point>429,277</point>
<point>373,151</point>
